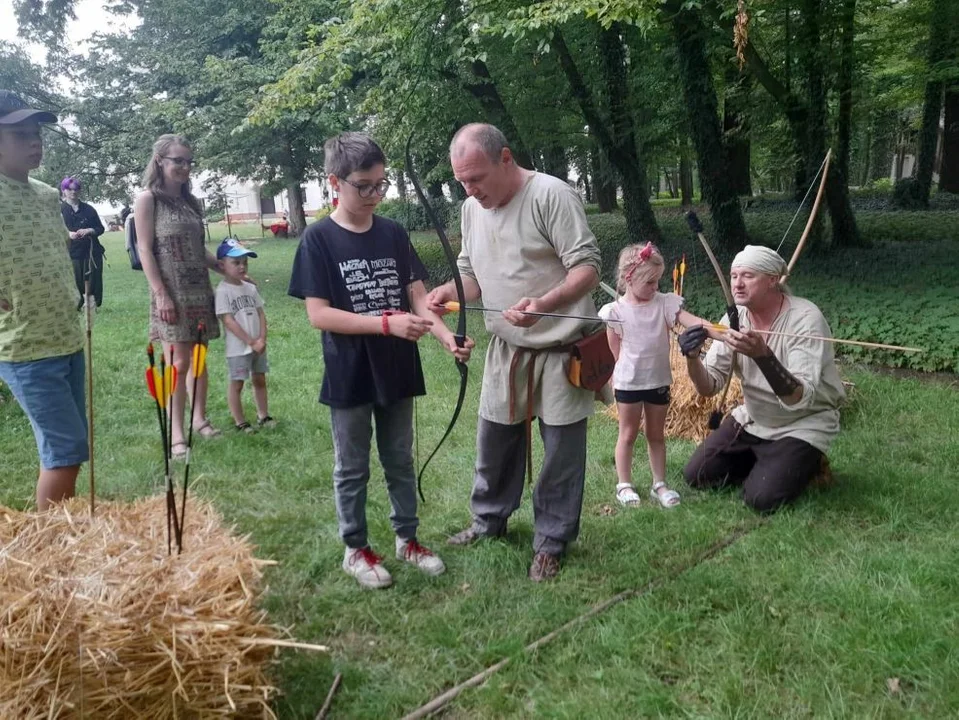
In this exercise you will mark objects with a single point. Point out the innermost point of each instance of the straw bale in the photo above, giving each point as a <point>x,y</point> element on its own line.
<point>96,620</point>
<point>688,415</point>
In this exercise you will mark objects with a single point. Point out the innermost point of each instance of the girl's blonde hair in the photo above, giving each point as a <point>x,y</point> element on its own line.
<point>640,262</point>
<point>153,174</point>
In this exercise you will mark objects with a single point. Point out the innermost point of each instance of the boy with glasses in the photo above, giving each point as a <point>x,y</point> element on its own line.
<point>363,286</point>
<point>41,343</point>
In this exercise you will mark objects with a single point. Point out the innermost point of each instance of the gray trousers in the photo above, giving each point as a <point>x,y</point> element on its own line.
<point>352,432</point>
<point>501,475</point>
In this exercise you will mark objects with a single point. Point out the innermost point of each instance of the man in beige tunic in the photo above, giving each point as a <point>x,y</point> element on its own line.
<point>773,444</point>
<point>526,247</point>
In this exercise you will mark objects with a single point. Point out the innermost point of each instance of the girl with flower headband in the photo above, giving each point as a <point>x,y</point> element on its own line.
<point>640,343</point>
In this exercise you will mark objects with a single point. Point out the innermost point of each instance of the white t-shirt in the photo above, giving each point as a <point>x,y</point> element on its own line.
<point>644,340</point>
<point>243,302</point>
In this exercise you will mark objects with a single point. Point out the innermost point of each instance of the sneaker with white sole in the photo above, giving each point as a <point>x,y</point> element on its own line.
<point>367,567</point>
<point>415,554</point>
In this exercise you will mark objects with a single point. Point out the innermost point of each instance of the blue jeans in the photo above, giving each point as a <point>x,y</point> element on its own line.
<point>352,432</point>
<point>51,393</point>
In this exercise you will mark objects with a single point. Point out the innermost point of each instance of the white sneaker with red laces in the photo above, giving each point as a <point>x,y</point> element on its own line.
<point>415,554</point>
<point>367,567</point>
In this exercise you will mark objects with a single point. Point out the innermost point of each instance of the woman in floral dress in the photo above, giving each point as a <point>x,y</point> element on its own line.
<point>176,263</point>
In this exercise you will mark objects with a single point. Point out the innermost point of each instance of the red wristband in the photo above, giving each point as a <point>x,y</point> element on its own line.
<point>385,319</point>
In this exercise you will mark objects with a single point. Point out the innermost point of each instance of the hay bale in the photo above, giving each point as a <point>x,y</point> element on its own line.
<point>96,620</point>
<point>688,415</point>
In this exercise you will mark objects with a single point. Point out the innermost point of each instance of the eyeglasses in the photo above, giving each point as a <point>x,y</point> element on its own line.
<point>180,162</point>
<point>365,190</point>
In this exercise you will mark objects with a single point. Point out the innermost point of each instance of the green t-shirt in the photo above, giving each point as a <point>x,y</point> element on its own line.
<point>38,294</point>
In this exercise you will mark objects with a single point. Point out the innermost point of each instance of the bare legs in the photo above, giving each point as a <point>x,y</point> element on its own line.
<point>55,485</point>
<point>631,421</point>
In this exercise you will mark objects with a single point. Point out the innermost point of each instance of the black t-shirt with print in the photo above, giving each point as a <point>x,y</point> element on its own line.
<point>364,273</point>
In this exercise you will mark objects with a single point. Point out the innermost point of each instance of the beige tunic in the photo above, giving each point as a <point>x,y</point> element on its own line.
<point>815,418</point>
<point>526,249</point>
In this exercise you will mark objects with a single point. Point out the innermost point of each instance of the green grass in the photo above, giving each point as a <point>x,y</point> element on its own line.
<point>808,615</point>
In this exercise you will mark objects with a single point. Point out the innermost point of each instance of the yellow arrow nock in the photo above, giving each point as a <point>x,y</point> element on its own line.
<point>452,306</point>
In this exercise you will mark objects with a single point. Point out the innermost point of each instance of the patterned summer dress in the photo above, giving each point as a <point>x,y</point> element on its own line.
<point>181,259</point>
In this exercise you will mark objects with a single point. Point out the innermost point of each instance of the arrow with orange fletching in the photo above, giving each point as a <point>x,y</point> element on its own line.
<point>198,366</point>
<point>676,278</point>
<point>161,382</point>
<point>682,273</point>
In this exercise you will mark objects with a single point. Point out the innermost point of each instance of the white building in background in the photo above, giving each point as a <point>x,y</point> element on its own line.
<point>248,204</point>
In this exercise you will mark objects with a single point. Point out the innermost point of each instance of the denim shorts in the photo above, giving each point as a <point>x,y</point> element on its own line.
<point>242,365</point>
<point>51,393</point>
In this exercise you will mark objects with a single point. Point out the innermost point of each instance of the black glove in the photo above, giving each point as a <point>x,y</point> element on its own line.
<point>691,341</point>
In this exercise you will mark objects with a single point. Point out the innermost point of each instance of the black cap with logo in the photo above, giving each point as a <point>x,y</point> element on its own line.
<point>14,111</point>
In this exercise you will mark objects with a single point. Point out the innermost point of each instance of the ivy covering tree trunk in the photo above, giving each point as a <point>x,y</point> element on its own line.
<point>736,145</point>
<point>617,139</point>
<point>703,112</point>
<point>939,51</point>
<point>949,170</point>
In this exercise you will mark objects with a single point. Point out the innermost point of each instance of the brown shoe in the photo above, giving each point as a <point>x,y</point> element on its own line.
<point>544,567</point>
<point>468,536</point>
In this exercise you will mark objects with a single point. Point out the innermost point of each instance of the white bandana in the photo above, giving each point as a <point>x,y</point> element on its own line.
<point>761,259</point>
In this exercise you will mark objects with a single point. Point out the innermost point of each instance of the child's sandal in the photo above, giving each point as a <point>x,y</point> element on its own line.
<point>266,422</point>
<point>668,498</point>
<point>627,495</point>
<point>245,427</point>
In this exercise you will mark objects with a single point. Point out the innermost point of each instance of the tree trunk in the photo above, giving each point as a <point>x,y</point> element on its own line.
<point>617,138</point>
<point>702,110</point>
<point>604,183</point>
<point>669,183</point>
<point>865,175</point>
<point>844,229</point>
<point>401,184</point>
<point>949,170</point>
<point>847,61</point>
<point>736,146</point>
<point>486,93</point>
<point>555,162</point>
<point>938,53</point>
<point>685,174</point>
<point>297,217</point>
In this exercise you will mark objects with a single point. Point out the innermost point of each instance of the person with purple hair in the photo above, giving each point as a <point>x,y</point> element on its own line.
<point>85,228</point>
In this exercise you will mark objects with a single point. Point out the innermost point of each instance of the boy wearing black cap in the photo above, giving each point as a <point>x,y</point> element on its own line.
<point>41,343</point>
<point>240,309</point>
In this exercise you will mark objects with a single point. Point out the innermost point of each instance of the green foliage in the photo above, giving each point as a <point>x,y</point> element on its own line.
<point>413,217</point>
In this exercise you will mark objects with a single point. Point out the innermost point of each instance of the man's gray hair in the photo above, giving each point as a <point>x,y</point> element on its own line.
<point>487,138</point>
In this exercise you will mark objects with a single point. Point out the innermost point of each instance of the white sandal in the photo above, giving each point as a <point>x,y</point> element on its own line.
<point>627,495</point>
<point>667,499</point>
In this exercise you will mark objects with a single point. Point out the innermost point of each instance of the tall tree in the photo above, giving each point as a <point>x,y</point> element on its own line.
<point>940,61</point>
<point>702,107</point>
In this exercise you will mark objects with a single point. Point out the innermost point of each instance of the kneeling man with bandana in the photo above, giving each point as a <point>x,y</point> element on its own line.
<point>773,444</point>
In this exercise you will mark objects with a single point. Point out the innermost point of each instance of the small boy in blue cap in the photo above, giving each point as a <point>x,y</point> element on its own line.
<point>240,309</point>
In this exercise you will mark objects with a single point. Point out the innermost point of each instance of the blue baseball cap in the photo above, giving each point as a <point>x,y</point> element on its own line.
<point>231,248</point>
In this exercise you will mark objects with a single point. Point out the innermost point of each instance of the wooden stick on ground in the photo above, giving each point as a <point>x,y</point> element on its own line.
<point>445,698</point>
<point>321,715</point>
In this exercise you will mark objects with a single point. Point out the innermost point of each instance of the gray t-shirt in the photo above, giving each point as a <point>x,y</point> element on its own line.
<point>243,302</point>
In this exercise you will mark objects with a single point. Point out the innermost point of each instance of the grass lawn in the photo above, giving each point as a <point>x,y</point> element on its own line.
<point>846,605</point>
